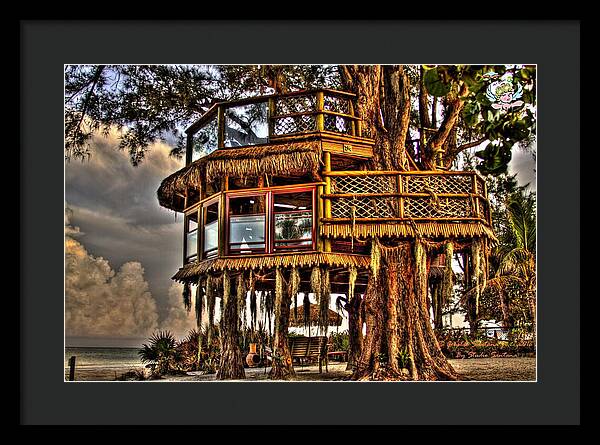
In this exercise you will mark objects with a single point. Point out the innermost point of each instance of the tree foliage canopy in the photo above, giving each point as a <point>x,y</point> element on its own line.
<point>449,107</point>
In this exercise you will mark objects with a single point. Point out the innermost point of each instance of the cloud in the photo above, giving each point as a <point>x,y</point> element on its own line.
<point>115,204</point>
<point>100,301</point>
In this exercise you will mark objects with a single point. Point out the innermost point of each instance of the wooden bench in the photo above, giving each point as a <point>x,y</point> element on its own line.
<point>304,348</point>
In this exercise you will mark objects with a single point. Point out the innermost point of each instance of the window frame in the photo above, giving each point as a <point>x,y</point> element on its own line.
<point>238,194</point>
<point>312,246</point>
<point>186,219</point>
<point>203,206</point>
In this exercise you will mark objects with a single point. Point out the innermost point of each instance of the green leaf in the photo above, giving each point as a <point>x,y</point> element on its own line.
<point>434,84</point>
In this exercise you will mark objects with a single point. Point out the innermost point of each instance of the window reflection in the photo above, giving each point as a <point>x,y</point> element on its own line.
<point>205,141</point>
<point>246,125</point>
<point>247,219</point>
<point>211,230</point>
<point>293,220</point>
<point>191,237</point>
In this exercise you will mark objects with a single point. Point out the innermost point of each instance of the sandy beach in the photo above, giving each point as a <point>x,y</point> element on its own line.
<point>475,369</point>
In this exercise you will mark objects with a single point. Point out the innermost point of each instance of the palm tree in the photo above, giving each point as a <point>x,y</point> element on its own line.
<point>515,254</point>
<point>160,353</point>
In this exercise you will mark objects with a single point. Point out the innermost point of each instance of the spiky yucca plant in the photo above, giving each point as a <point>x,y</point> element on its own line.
<point>160,353</point>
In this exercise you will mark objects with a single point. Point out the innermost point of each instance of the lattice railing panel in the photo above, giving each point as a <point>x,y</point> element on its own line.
<point>480,185</point>
<point>294,124</point>
<point>417,207</point>
<point>363,184</point>
<point>295,104</point>
<point>364,207</point>
<point>437,184</point>
<point>339,124</point>
<point>337,104</point>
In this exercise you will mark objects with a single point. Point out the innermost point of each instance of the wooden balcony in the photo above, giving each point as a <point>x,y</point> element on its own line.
<point>276,119</point>
<point>426,203</point>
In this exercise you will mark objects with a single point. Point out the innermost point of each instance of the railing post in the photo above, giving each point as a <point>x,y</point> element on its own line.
<point>222,224</point>
<point>201,215</point>
<point>353,129</point>
<point>475,199</point>
<point>327,203</point>
<point>320,108</point>
<point>400,188</point>
<point>270,117</point>
<point>220,127</point>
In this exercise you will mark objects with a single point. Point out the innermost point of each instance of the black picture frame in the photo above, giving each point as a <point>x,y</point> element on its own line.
<point>47,45</point>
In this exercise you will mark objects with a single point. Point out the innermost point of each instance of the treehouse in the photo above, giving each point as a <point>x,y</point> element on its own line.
<point>283,181</point>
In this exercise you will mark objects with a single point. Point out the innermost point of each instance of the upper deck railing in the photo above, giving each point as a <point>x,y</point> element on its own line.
<point>379,196</point>
<point>271,119</point>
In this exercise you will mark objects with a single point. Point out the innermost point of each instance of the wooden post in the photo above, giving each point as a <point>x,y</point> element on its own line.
<point>353,129</point>
<point>188,149</point>
<point>270,117</point>
<point>401,198</point>
<point>220,126</point>
<point>320,214</point>
<point>320,108</point>
<point>72,368</point>
<point>200,234</point>
<point>222,224</point>
<point>327,203</point>
<point>475,199</point>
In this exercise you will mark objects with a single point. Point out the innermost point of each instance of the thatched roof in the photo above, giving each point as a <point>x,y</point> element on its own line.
<point>191,272</point>
<point>407,229</point>
<point>289,159</point>
<point>334,319</point>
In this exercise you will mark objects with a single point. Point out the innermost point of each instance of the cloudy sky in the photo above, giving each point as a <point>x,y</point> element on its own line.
<point>122,248</point>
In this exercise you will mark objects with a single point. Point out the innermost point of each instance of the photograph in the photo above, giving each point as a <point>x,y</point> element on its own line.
<point>300,223</point>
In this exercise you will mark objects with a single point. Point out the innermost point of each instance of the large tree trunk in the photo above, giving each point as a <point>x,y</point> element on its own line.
<point>231,364</point>
<point>282,368</point>
<point>355,327</point>
<point>395,302</point>
<point>403,326</point>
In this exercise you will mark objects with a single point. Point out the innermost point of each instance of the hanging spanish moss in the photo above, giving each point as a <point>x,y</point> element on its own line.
<point>324,301</point>
<point>210,306</point>
<point>448,279</point>
<point>252,289</point>
<point>476,258</point>
<point>269,309</point>
<point>199,300</point>
<point>315,282</point>
<point>253,294</point>
<point>352,275</point>
<point>306,311</point>
<point>278,291</point>
<point>187,296</point>
<point>294,287</point>
<point>421,274</point>
<point>242,292</point>
<point>375,257</point>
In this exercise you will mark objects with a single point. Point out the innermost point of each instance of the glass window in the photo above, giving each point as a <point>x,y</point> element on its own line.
<point>205,141</point>
<point>247,218</point>
<point>293,220</point>
<point>211,230</point>
<point>246,125</point>
<point>191,238</point>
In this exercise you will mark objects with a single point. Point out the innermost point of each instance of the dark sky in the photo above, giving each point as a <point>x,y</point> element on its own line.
<point>123,248</point>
